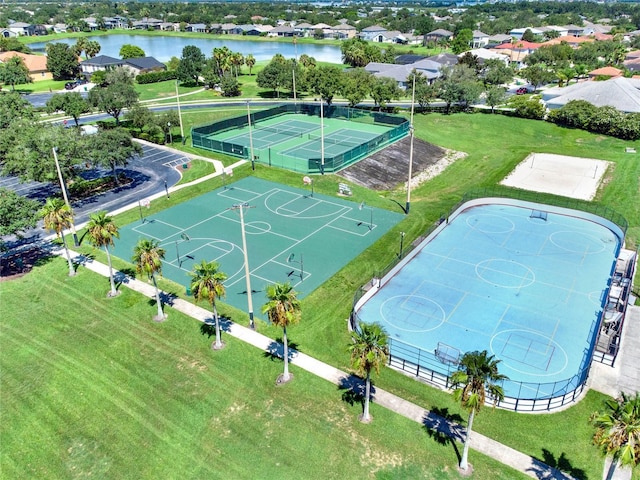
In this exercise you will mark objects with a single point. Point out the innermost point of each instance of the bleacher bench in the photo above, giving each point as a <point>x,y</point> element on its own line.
<point>344,189</point>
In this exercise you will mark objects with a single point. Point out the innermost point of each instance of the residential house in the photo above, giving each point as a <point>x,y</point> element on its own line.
<point>170,27</point>
<point>498,39</point>
<point>573,42</point>
<point>428,68</point>
<point>282,31</point>
<point>36,64</point>
<point>479,39</point>
<point>445,59</point>
<point>327,30</point>
<point>21,29</point>
<point>388,36</point>
<point>632,65</point>
<point>6,33</point>
<point>621,93</point>
<point>610,72</point>
<point>408,58</point>
<point>369,33</point>
<point>304,29</point>
<point>229,28</point>
<point>518,32</point>
<point>143,65</point>
<point>482,54</point>
<point>517,51</point>
<point>574,30</point>
<point>60,28</point>
<point>100,62</point>
<point>196,28</point>
<point>134,65</point>
<point>562,31</point>
<point>344,31</point>
<point>438,35</point>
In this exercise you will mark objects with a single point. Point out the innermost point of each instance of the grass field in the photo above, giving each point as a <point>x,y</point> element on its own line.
<point>494,143</point>
<point>110,394</point>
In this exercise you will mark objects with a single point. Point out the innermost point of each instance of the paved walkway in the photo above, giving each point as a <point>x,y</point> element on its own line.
<point>507,455</point>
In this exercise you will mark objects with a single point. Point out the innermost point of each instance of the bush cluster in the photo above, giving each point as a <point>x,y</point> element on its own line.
<point>151,133</point>
<point>604,120</point>
<point>154,77</point>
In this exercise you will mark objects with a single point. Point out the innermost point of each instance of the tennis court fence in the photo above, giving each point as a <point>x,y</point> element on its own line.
<point>398,128</point>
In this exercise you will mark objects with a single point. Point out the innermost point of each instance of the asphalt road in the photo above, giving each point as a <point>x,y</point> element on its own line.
<point>149,174</point>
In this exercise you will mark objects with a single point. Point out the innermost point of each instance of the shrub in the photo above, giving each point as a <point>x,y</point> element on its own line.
<point>527,107</point>
<point>154,77</point>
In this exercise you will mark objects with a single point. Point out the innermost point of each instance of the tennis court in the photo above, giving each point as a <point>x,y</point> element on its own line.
<point>292,234</point>
<point>526,282</point>
<point>302,137</point>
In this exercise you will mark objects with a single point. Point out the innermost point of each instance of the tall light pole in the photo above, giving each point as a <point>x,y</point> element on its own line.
<point>253,159</point>
<point>240,207</point>
<point>64,195</point>
<point>411,129</point>
<point>180,114</point>
<point>321,136</point>
<point>295,63</point>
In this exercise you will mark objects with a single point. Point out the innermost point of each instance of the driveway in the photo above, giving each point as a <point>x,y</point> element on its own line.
<point>149,174</point>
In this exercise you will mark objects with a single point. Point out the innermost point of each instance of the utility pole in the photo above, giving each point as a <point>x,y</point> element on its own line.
<point>64,195</point>
<point>240,207</point>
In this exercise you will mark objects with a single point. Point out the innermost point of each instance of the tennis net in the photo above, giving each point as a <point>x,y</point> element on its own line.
<point>337,140</point>
<point>289,132</point>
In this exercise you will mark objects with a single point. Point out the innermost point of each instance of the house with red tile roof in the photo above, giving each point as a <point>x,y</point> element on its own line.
<point>570,40</point>
<point>37,64</point>
<point>610,72</point>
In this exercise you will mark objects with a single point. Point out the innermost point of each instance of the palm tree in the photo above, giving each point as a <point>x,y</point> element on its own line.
<point>618,431</point>
<point>282,309</point>
<point>478,375</point>
<point>206,281</point>
<point>102,231</point>
<point>148,256</point>
<point>92,48</point>
<point>369,349</point>
<point>250,61</point>
<point>57,216</point>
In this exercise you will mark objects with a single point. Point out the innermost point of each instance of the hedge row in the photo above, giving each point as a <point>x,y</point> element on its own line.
<point>154,77</point>
<point>604,120</point>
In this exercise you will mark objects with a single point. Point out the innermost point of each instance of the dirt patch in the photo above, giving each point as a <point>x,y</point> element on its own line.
<point>386,169</point>
<point>17,264</point>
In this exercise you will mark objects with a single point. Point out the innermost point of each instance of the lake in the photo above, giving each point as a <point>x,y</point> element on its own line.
<point>163,48</point>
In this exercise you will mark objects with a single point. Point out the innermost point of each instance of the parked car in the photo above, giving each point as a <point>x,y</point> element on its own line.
<point>75,83</point>
<point>522,91</point>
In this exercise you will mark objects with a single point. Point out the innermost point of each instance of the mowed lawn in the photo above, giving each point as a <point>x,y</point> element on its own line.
<point>93,388</point>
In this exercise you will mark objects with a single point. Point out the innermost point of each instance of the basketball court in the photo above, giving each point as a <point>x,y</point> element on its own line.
<point>292,234</point>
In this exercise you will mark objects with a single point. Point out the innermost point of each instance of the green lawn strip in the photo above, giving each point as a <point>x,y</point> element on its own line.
<point>495,145</point>
<point>197,169</point>
<point>96,388</point>
<point>158,90</point>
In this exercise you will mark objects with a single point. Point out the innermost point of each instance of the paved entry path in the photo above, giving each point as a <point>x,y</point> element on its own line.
<point>507,455</point>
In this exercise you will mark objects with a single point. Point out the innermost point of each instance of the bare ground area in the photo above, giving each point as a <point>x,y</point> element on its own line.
<point>386,169</point>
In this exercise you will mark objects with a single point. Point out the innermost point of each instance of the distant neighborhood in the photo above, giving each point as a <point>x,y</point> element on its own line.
<point>511,48</point>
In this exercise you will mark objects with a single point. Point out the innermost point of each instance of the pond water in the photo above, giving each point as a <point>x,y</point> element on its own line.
<point>163,48</point>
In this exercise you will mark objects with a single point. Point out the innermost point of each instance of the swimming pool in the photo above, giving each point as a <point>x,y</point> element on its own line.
<point>524,281</point>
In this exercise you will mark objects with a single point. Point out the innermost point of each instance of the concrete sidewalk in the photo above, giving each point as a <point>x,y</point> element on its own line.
<point>507,455</point>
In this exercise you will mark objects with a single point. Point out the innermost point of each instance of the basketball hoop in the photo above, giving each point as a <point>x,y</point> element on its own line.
<point>146,203</point>
<point>228,171</point>
<point>306,180</point>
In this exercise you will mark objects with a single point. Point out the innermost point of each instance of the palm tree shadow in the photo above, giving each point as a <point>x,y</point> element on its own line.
<point>548,468</point>
<point>275,350</point>
<point>443,427</point>
<point>168,298</point>
<point>353,390</point>
<point>123,276</point>
<point>208,327</point>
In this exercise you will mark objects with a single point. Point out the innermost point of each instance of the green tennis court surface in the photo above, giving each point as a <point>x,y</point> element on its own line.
<point>291,236</point>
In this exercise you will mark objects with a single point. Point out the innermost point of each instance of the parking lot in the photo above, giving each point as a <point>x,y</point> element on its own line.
<point>149,174</point>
